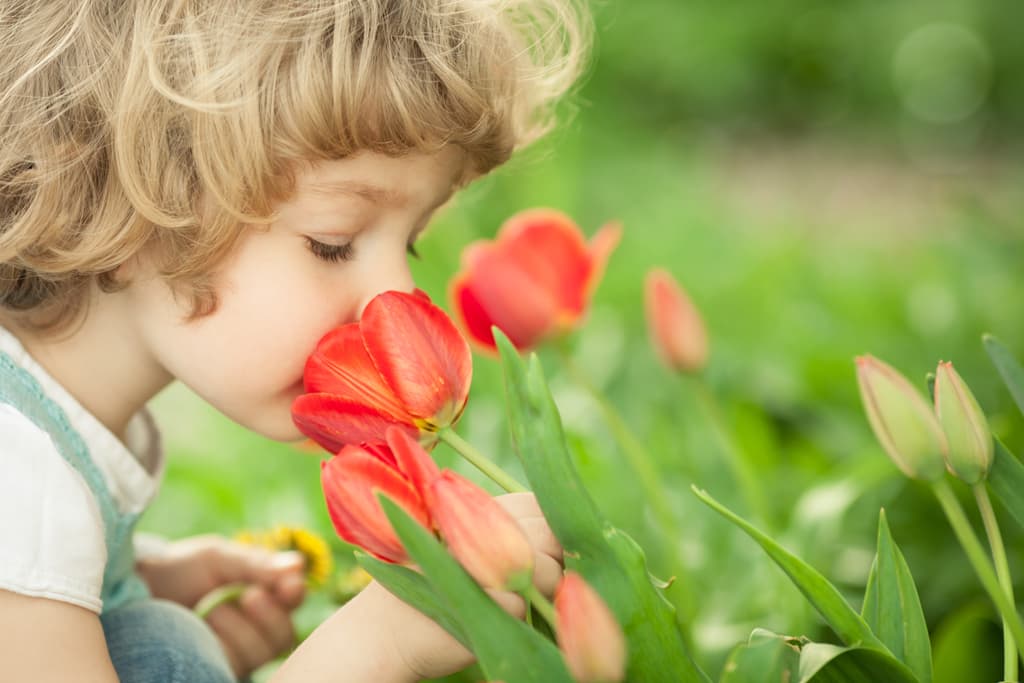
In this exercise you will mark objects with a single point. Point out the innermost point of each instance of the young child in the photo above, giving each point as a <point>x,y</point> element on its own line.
<point>199,190</point>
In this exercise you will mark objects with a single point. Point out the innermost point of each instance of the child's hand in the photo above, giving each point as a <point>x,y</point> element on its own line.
<point>426,649</point>
<point>257,627</point>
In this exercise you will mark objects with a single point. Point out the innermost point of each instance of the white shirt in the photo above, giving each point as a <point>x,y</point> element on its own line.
<point>52,541</point>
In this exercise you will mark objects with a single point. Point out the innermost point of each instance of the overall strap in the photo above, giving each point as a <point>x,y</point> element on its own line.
<point>20,390</point>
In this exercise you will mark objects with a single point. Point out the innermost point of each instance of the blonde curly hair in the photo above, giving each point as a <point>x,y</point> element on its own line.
<point>167,124</point>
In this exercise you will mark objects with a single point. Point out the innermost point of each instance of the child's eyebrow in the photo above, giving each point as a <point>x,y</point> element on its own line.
<point>372,193</point>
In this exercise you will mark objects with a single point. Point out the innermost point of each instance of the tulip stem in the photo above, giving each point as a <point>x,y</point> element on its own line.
<point>995,541</point>
<point>976,554</point>
<point>643,465</point>
<point>480,461</point>
<point>543,605</point>
<point>217,597</point>
<point>735,459</point>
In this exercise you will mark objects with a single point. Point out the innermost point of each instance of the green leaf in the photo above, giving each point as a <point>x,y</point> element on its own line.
<point>823,663</point>
<point>825,597</point>
<point>540,441</point>
<point>605,556</point>
<point>506,648</point>
<point>413,588</point>
<point>1006,481</point>
<point>892,607</point>
<point>1008,366</point>
<point>765,658</point>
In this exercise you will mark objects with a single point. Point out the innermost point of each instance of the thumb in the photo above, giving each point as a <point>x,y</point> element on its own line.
<point>256,565</point>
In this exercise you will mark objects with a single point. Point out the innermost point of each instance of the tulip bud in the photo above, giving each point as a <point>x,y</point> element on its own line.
<point>902,420</point>
<point>590,637</point>
<point>480,534</point>
<point>967,432</point>
<point>674,324</point>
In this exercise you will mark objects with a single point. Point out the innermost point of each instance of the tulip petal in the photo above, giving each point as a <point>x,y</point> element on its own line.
<point>420,354</point>
<point>481,534</point>
<point>340,365</point>
<point>334,421</point>
<point>602,244</point>
<point>471,315</point>
<point>588,633</point>
<point>674,324</point>
<point>351,481</point>
<point>412,461</point>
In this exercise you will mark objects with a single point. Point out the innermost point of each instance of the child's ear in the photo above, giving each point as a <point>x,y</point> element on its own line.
<point>127,271</point>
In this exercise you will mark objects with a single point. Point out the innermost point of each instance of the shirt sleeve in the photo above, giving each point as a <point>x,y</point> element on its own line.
<point>52,541</point>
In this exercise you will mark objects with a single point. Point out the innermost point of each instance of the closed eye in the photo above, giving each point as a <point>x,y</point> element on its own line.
<point>331,253</point>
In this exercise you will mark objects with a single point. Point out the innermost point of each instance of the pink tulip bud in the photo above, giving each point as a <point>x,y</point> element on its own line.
<point>967,432</point>
<point>480,534</point>
<point>674,324</point>
<point>590,637</point>
<point>902,420</point>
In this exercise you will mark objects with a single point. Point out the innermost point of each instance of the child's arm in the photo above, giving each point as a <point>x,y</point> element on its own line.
<point>49,641</point>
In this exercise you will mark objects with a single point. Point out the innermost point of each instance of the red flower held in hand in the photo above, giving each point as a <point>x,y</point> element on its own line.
<point>402,470</point>
<point>480,534</point>
<point>534,281</point>
<point>404,363</point>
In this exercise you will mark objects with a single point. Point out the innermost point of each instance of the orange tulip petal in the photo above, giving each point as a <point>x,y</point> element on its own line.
<point>334,421</point>
<point>421,355</point>
<point>471,315</point>
<point>341,366</point>
<point>351,481</point>
<point>674,324</point>
<point>412,461</point>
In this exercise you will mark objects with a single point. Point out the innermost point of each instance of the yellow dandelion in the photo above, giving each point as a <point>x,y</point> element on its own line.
<point>313,548</point>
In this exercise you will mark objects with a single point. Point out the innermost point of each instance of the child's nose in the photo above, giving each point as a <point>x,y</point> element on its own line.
<point>384,280</point>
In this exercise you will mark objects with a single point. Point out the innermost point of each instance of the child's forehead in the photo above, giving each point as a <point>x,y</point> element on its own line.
<point>386,180</point>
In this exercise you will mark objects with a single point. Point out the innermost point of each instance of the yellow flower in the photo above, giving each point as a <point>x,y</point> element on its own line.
<point>313,548</point>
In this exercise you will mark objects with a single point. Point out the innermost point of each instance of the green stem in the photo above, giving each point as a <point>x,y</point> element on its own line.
<point>480,461</point>
<point>976,554</point>
<point>543,605</point>
<point>643,465</point>
<point>637,456</point>
<point>736,460</point>
<point>218,596</point>
<point>995,541</point>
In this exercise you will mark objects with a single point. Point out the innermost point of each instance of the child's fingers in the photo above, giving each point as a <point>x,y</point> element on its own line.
<point>239,562</point>
<point>290,590</point>
<point>547,572</point>
<point>270,618</point>
<point>247,644</point>
<point>520,504</point>
<point>540,536</point>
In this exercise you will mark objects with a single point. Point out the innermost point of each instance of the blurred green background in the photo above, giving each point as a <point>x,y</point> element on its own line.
<point>826,179</point>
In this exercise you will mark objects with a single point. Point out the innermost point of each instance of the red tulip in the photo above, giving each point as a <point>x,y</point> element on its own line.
<point>588,634</point>
<point>534,281</point>
<point>480,534</point>
<point>674,324</point>
<point>351,480</point>
<point>403,363</point>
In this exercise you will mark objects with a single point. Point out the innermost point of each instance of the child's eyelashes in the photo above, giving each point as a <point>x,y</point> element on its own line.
<point>410,249</point>
<point>331,253</point>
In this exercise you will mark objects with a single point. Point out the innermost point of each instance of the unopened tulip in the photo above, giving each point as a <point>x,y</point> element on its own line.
<point>480,534</point>
<point>533,282</point>
<point>404,363</point>
<point>351,480</point>
<point>588,634</point>
<point>902,420</point>
<point>968,436</point>
<point>674,324</point>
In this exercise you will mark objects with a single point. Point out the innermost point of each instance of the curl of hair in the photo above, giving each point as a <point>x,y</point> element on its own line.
<point>168,124</point>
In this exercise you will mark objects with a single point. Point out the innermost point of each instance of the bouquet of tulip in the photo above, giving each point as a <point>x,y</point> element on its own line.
<point>382,392</point>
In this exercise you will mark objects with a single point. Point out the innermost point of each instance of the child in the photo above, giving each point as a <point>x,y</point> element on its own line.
<point>198,190</point>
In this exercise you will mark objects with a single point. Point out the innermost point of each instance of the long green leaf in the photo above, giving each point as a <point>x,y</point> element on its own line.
<point>413,588</point>
<point>1008,366</point>
<point>607,557</point>
<point>1006,481</point>
<point>825,597</point>
<point>892,607</point>
<point>823,663</point>
<point>765,658</point>
<point>506,648</point>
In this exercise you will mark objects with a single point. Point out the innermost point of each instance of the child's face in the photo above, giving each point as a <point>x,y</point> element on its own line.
<point>340,240</point>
